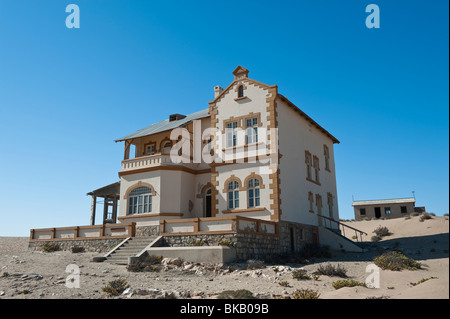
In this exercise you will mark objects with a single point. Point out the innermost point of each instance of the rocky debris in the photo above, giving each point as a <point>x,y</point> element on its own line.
<point>16,260</point>
<point>159,293</point>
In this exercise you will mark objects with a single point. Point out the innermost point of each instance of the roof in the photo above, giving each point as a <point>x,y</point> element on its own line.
<point>384,201</point>
<point>108,190</point>
<point>165,125</point>
<point>309,119</point>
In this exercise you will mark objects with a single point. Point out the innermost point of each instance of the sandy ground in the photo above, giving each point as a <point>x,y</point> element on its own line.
<point>35,275</point>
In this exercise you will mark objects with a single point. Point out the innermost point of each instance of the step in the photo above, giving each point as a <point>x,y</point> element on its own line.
<point>129,249</point>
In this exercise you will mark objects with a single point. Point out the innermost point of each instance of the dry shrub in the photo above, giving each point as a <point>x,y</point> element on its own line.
<point>236,294</point>
<point>347,283</point>
<point>306,294</point>
<point>375,238</point>
<point>395,260</point>
<point>331,271</point>
<point>148,263</point>
<point>382,231</point>
<point>116,287</point>
<point>50,247</point>
<point>300,274</point>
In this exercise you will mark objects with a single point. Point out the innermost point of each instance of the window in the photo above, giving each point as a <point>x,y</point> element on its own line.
<point>140,201</point>
<point>166,147</point>
<point>330,205</point>
<point>232,134</point>
<point>241,91</point>
<point>311,202</point>
<point>151,149</point>
<point>387,210</point>
<point>252,130</point>
<point>253,193</point>
<point>316,168</point>
<point>326,153</point>
<point>362,211</point>
<point>233,194</point>
<point>403,209</point>
<point>308,164</point>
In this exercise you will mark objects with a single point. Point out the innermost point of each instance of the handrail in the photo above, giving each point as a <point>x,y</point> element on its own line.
<point>343,227</point>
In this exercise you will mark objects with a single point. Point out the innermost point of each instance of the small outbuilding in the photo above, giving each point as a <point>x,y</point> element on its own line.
<point>384,208</point>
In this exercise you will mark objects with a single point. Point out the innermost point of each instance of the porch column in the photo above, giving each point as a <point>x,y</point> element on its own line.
<point>114,214</point>
<point>105,209</point>
<point>93,207</point>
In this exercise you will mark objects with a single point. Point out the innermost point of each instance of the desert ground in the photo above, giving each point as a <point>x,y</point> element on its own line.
<point>26,274</point>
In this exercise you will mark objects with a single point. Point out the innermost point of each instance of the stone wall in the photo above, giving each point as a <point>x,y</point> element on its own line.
<point>253,246</point>
<point>90,245</point>
<point>143,231</point>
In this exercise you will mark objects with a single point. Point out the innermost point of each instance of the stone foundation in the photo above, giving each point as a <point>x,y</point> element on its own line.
<point>143,231</point>
<point>290,238</point>
<point>90,245</point>
<point>253,246</point>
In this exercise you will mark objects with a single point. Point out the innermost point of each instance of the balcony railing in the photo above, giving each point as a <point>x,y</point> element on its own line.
<point>157,160</point>
<point>104,231</point>
<point>218,225</point>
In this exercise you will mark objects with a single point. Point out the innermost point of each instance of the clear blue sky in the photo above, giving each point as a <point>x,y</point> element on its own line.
<point>66,94</point>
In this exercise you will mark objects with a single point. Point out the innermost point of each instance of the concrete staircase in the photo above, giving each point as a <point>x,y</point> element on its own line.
<point>129,248</point>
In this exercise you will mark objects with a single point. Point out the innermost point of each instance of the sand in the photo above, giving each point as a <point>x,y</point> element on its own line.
<point>38,275</point>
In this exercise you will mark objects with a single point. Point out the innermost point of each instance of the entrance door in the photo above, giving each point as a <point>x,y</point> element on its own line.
<point>208,203</point>
<point>292,238</point>
<point>377,212</point>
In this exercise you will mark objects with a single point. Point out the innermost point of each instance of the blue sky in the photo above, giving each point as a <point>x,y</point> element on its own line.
<point>67,94</point>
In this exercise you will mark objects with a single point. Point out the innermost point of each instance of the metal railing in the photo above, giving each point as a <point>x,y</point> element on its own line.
<point>342,227</point>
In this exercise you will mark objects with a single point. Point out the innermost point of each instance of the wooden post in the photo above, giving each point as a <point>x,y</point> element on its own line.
<point>133,230</point>
<point>53,233</point>
<point>196,225</point>
<point>105,209</point>
<point>162,226</point>
<point>31,233</point>
<point>114,214</point>
<point>76,232</point>
<point>93,208</point>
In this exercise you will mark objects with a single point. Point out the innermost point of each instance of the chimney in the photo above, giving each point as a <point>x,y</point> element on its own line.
<point>176,117</point>
<point>217,91</point>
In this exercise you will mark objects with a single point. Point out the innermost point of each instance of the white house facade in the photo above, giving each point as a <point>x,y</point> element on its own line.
<point>252,163</point>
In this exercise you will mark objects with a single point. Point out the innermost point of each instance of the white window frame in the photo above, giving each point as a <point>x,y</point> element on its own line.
<point>254,193</point>
<point>233,195</point>
<point>140,203</point>
<point>252,130</point>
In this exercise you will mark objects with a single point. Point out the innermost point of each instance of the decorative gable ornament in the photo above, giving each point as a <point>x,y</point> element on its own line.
<point>240,73</point>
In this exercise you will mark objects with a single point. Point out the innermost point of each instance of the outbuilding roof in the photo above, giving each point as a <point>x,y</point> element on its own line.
<point>384,201</point>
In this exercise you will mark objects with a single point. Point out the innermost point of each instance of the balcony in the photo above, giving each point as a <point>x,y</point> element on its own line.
<point>144,163</point>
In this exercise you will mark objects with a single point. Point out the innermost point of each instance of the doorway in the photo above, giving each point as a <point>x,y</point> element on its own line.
<point>207,204</point>
<point>377,212</point>
<point>292,238</point>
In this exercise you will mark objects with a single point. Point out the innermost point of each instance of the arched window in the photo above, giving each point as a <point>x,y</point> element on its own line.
<point>253,193</point>
<point>240,91</point>
<point>140,201</point>
<point>166,147</point>
<point>233,194</point>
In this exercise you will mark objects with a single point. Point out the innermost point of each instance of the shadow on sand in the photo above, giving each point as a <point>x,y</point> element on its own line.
<point>418,248</point>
